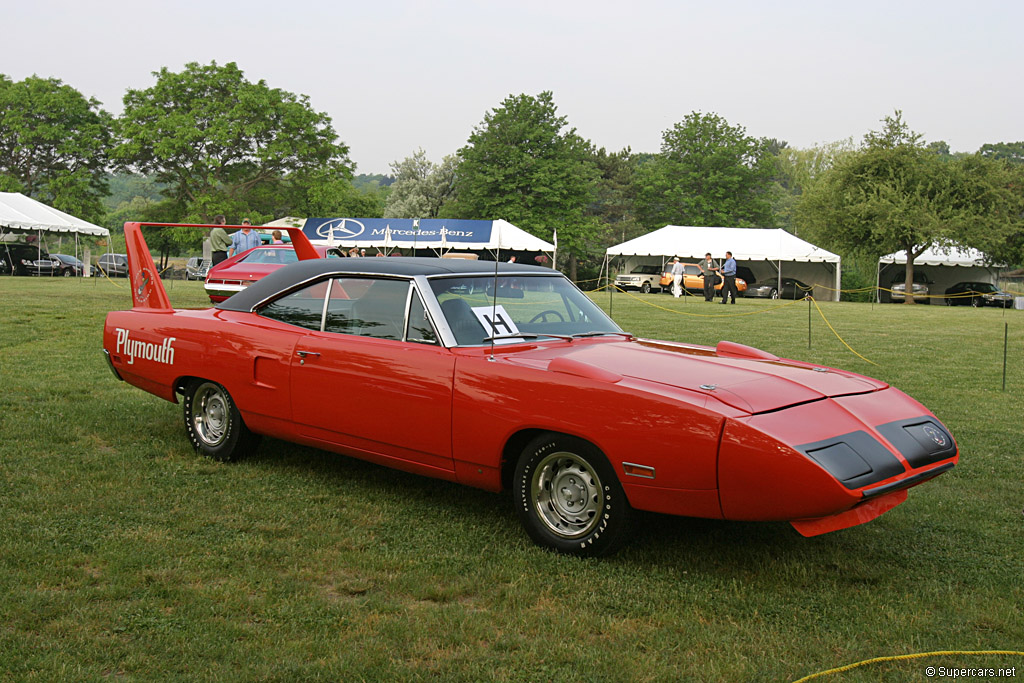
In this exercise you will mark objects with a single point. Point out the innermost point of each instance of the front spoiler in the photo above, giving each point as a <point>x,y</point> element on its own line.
<point>878,501</point>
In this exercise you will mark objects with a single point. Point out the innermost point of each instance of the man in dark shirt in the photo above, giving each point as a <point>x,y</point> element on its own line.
<point>219,241</point>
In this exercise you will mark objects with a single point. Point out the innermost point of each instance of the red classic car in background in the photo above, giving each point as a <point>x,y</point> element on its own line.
<point>506,376</point>
<point>241,270</point>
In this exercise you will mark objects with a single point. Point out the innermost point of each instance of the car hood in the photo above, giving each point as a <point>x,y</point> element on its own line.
<point>745,378</point>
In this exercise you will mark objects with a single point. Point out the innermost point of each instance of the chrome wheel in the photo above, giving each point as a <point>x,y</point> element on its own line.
<point>567,494</point>
<point>211,414</point>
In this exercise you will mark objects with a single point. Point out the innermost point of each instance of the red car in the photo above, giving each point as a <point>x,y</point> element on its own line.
<point>241,270</point>
<point>508,377</point>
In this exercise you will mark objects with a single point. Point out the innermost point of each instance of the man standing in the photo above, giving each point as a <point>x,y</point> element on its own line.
<point>677,277</point>
<point>243,240</point>
<point>219,241</point>
<point>710,270</point>
<point>729,279</point>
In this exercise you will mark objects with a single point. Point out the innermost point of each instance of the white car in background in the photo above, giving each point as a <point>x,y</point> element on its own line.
<point>643,278</point>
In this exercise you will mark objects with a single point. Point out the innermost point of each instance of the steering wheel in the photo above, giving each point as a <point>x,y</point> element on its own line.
<point>543,316</point>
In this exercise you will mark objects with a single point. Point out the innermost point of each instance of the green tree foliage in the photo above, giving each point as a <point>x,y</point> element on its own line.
<point>708,173</point>
<point>328,194</point>
<point>225,145</point>
<point>53,145</point>
<point>796,171</point>
<point>421,187</point>
<point>521,164</point>
<point>1012,152</point>
<point>896,194</point>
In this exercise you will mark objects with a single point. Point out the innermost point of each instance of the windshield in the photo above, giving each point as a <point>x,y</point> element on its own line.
<point>527,306</point>
<point>647,270</point>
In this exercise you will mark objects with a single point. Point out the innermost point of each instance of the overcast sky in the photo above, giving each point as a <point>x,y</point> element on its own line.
<point>395,76</point>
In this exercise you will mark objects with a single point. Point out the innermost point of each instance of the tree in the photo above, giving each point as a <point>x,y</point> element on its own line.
<point>53,145</point>
<point>896,194</point>
<point>326,194</point>
<point>1012,152</point>
<point>223,144</point>
<point>708,173</point>
<point>796,171</point>
<point>421,187</point>
<point>522,165</point>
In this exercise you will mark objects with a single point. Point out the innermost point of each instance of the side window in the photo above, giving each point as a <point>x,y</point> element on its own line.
<point>367,307</point>
<point>380,311</point>
<point>304,308</point>
<point>419,330</point>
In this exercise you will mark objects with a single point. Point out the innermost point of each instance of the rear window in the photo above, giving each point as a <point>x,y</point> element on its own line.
<point>270,256</point>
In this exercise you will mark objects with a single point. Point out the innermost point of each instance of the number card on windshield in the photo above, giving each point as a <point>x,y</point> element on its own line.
<point>498,323</point>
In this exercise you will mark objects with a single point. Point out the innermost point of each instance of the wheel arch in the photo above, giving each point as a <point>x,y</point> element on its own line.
<point>516,443</point>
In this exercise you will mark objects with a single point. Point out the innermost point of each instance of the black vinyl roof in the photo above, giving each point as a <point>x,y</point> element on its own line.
<point>311,269</point>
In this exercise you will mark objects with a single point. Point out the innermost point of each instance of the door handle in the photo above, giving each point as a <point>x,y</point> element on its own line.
<point>302,356</point>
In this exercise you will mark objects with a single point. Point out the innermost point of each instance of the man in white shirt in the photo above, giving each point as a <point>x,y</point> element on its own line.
<point>677,277</point>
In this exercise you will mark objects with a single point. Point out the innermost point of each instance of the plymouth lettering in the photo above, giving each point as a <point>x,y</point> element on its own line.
<point>159,353</point>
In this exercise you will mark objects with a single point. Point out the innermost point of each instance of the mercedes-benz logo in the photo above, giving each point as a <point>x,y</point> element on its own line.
<point>935,435</point>
<point>340,229</point>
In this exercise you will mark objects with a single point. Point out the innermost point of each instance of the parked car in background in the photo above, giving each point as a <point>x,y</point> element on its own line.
<point>978,294</point>
<point>789,288</point>
<point>241,270</point>
<point>196,268</point>
<point>898,288</point>
<point>114,265</point>
<point>28,259</point>
<point>693,281</point>
<point>70,266</point>
<point>642,278</point>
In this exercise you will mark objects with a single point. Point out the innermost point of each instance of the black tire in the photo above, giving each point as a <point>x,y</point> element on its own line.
<point>213,423</point>
<point>67,272</point>
<point>975,302</point>
<point>589,516</point>
<point>774,294</point>
<point>646,288</point>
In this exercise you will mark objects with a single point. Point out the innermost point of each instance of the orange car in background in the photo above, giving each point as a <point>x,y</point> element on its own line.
<point>693,281</point>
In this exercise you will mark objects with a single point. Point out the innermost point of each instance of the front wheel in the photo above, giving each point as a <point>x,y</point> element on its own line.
<point>213,423</point>
<point>646,288</point>
<point>774,293</point>
<point>568,497</point>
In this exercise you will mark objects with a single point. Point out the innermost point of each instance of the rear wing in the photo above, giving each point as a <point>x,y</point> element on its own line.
<point>147,289</point>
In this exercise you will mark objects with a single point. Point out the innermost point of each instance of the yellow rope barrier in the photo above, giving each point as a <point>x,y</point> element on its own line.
<point>822,314</point>
<point>919,655</point>
<point>737,315</point>
<point>698,315</point>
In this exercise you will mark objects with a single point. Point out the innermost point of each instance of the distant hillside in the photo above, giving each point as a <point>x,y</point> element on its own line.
<point>367,183</point>
<point>126,186</point>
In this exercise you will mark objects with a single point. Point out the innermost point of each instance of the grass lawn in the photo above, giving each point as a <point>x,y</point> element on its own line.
<point>123,554</point>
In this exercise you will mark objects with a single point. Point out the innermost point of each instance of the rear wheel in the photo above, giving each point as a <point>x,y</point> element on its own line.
<point>569,498</point>
<point>213,423</point>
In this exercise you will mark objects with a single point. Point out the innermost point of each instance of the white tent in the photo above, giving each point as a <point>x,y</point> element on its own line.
<point>940,256</point>
<point>944,267</point>
<point>21,214</point>
<point>769,251</point>
<point>24,213</point>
